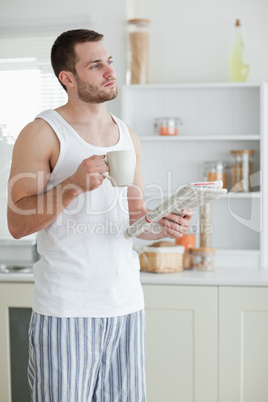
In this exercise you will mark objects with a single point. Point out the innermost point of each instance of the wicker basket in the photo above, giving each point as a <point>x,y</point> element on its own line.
<point>165,258</point>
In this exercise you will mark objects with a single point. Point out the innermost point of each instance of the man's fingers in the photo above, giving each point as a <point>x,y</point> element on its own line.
<point>187,213</point>
<point>177,219</point>
<point>96,163</point>
<point>167,224</point>
<point>96,157</point>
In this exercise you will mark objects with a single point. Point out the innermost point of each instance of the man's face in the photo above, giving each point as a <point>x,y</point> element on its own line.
<point>95,77</point>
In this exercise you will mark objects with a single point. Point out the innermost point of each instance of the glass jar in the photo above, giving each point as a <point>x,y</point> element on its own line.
<point>167,125</point>
<point>241,170</point>
<point>205,226</point>
<point>137,50</point>
<point>216,170</point>
<point>204,258</point>
<point>188,241</point>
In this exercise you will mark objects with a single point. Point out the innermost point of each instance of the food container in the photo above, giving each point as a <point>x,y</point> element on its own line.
<point>188,242</point>
<point>241,170</point>
<point>167,125</point>
<point>216,170</point>
<point>204,258</point>
<point>205,225</point>
<point>137,50</point>
<point>162,257</point>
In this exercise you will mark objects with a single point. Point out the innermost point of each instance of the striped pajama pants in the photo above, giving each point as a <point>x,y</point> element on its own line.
<point>87,359</point>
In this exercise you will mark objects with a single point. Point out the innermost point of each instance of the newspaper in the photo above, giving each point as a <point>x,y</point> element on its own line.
<point>190,196</point>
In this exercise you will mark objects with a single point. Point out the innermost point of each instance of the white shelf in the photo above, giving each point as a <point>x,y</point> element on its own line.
<point>249,195</point>
<point>216,117</point>
<point>155,138</point>
<point>201,85</point>
<point>230,194</point>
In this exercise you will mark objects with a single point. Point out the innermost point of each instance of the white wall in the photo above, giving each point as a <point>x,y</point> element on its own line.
<point>108,17</point>
<point>191,40</point>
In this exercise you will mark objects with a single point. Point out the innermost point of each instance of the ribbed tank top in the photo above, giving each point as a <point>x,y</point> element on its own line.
<point>87,268</point>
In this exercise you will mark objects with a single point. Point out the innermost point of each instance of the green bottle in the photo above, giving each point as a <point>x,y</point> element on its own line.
<point>238,65</point>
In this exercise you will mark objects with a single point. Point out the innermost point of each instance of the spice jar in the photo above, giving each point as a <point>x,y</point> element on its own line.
<point>167,125</point>
<point>137,51</point>
<point>204,258</point>
<point>241,171</point>
<point>188,241</point>
<point>216,170</point>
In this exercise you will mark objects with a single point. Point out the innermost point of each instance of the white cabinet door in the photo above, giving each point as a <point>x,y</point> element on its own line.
<point>181,343</point>
<point>11,295</point>
<point>243,344</point>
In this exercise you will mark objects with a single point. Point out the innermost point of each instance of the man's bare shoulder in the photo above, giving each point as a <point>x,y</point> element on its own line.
<point>135,140</point>
<point>37,131</point>
<point>34,148</point>
<point>132,132</point>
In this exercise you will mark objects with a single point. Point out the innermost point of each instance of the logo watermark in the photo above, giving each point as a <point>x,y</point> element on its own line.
<point>51,199</point>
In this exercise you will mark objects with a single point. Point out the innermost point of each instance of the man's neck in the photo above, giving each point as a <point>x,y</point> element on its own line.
<point>92,122</point>
<point>84,112</point>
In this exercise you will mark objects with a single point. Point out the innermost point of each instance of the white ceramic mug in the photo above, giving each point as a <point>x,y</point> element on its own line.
<point>122,167</point>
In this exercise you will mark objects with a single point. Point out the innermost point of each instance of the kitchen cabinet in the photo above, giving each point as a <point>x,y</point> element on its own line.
<point>181,343</point>
<point>15,311</point>
<point>203,343</point>
<point>206,343</point>
<point>243,344</point>
<point>217,118</point>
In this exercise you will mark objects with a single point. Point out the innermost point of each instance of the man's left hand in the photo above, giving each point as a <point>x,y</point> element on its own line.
<point>175,226</point>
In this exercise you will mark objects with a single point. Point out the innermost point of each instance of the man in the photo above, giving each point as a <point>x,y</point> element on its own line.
<point>86,336</point>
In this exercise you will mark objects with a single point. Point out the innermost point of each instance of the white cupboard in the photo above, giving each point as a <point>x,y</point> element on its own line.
<point>243,344</point>
<point>15,311</point>
<point>181,343</point>
<point>206,343</point>
<point>217,118</point>
<point>203,343</point>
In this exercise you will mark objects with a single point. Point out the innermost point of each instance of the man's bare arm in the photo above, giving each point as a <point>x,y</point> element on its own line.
<point>30,207</point>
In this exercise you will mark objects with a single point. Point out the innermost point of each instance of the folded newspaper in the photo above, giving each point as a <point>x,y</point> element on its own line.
<point>190,196</point>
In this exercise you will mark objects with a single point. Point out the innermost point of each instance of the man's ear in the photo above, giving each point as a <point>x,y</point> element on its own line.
<point>67,78</point>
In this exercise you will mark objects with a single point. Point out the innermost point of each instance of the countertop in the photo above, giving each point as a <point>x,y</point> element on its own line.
<point>219,277</point>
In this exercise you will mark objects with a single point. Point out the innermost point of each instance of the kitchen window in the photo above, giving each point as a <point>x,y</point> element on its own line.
<point>28,86</point>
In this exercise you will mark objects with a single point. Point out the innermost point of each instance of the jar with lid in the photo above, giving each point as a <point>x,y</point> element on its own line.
<point>204,258</point>
<point>241,170</point>
<point>216,170</point>
<point>167,125</point>
<point>137,50</point>
<point>188,241</point>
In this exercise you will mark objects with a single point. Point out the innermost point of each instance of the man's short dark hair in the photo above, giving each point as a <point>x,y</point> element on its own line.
<point>63,56</point>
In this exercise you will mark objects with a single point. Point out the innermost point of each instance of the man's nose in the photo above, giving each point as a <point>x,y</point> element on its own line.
<point>109,71</point>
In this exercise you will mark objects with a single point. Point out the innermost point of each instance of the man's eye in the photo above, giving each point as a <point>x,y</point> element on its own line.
<point>110,61</point>
<point>94,67</point>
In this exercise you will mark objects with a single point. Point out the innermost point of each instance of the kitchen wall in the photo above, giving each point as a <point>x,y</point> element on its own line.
<point>107,17</point>
<point>191,40</point>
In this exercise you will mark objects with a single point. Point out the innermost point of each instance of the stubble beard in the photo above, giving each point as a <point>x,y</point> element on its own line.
<point>92,94</point>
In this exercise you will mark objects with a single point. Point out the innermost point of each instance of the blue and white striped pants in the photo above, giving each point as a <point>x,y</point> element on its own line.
<point>87,359</point>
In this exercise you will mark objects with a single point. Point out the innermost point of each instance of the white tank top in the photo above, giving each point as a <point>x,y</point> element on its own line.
<point>87,267</point>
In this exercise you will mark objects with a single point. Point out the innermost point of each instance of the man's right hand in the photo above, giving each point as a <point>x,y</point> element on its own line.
<point>89,175</point>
